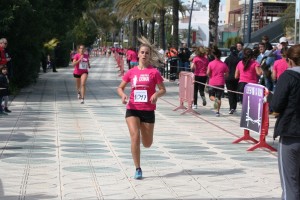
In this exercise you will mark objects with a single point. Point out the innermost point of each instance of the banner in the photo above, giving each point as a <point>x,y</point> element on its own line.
<point>252,107</point>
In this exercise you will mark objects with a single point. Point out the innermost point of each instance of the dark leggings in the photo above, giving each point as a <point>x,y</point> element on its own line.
<point>241,87</point>
<point>199,87</point>
<point>232,97</point>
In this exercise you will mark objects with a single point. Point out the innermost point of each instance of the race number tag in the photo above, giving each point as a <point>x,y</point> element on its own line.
<point>140,96</point>
<point>83,65</point>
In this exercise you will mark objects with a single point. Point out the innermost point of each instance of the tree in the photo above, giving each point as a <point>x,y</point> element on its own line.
<point>175,23</point>
<point>213,22</point>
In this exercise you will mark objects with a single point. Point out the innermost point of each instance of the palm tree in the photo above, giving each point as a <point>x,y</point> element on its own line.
<point>129,9</point>
<point>213,21</point>
<point>175,23</point>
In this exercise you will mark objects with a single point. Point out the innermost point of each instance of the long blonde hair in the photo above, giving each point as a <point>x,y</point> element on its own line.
<point>155,56</point>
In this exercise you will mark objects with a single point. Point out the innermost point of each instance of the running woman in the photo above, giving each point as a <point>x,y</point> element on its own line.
<point>199,67</point>
<point>81,64</point>
<point>217,71</point>
<point>140,116</point>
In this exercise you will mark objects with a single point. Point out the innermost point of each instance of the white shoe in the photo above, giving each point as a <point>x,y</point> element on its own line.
<point>194,106</point>
<point>82,101</point>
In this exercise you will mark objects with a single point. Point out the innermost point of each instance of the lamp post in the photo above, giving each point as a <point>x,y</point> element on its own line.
<point>249,21</point>
<point>189,30</point>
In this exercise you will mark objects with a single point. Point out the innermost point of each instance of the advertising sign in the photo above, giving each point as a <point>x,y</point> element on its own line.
<point>252,107</point>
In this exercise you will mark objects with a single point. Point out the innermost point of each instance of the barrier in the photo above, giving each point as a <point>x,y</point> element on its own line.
<point>255,116</point>
<point>186,92</point>
<point>120,63</point>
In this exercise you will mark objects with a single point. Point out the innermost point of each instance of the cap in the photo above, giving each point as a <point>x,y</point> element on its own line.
<point>282,39</point>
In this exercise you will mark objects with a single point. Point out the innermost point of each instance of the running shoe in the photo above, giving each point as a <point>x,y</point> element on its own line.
<point>194,106</point>
<point>6,110</point>
<point>231,111</point>
<point>3,113</point>
<point>216,104</point>
<point>138,174</point>
<point>204,102</point>
<point>82,101</point>
<point>78,95</point>
<point>217,114</point>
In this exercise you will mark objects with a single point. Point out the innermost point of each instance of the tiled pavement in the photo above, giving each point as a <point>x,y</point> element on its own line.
<point>54,148</point>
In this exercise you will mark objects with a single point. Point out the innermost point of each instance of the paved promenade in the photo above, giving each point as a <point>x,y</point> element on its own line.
<point>54,148</point>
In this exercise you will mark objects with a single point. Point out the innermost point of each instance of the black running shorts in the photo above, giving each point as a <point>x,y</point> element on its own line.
<point>145,116</point>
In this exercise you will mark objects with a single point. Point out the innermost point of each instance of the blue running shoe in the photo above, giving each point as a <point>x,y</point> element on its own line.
<point>138,174</point>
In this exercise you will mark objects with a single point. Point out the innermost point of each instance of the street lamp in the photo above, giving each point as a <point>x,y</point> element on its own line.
<point>249,21</point>
<point>190,21</point>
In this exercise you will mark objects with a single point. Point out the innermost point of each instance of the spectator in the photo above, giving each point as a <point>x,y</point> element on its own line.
<point>265,40</point>
<point>184,55</point>
<point>285,102</point>
<point>266,60</point>
<point>199,67</point>
<point>240,47</point>
<point>3,57</point>
<point>44,61</point>
<point>231,83</point>
<point>217,71</point>
<point>4,84</point>
<point>194,48</point>
<point>283,42</point>
<point>3,89</point>
<point>172,55</point>
<point>247,71</point>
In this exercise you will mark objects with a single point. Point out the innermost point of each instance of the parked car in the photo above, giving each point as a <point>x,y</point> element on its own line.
<point>224,53</point>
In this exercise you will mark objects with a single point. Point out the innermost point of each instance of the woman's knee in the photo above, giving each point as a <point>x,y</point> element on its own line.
<point>147,144</point>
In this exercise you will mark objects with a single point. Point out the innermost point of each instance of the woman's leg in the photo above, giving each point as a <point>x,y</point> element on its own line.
<point>134,124</point>
<point>82,84</point>
<point>203,80</point>
<point>77,82</point>
<point>196,88</point>
<point>147,134</point>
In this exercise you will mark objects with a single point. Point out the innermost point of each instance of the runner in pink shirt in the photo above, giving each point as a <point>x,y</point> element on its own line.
<point>199,66</point>
<point>132,57</point>
<point>217,71</point>
<point>141,104</point>
<point>280,65</point>
<point>247,71</point>
<point>81,64</point>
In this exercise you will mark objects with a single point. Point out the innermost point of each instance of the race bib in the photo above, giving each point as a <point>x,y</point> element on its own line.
<point>83,65</point>
<point>140,96</point>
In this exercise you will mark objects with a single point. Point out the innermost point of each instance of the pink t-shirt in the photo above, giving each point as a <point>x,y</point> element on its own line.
<point>132,56</point>
<point>143,83</point>
<point>249,75</point>
<point>280,66</point>
<point>217,69</point>
<point>201,64</point>
<point>81,67</point>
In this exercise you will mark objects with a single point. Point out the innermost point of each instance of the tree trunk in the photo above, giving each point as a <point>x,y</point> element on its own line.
<point>213,22</point>
<point>152,22</point>
<point>175,40</point>
<point>134,33</point>
<point>162,38</point>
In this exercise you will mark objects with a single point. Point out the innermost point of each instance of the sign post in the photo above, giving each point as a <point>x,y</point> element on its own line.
<point>255,116</point>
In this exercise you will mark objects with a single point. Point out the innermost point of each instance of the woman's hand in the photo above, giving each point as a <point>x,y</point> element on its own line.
<point>124,99</point>
<point>153,98</point>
